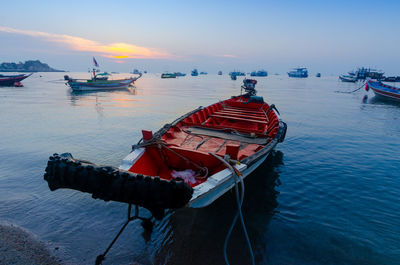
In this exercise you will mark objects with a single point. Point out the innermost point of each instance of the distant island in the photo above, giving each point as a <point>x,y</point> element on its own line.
<point>28,66</point>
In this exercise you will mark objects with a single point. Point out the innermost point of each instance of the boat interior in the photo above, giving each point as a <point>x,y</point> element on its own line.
<point>239,127</point>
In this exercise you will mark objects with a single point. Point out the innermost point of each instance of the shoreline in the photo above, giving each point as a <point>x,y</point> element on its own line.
<point>20,247</point>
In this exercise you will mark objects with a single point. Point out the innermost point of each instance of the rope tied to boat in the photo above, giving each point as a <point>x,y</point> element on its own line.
<point>239,200</point>
<point>349,92</point>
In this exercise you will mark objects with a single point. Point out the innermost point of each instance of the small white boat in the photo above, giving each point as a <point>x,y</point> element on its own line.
<point>348,78</point>
<point>100,83</point>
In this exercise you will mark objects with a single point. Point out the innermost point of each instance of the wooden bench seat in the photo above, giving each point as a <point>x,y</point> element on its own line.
<point>237,128</point>
<point>240,115</point>
<point>237,118</point>
<point>255,111</point>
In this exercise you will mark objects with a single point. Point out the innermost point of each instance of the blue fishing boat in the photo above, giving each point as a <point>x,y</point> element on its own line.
<point>299,72</point>
<point>364,73</point>
<point>390,79</point>
<point>219,72</point>
<point>168,75</point>
<point>195,72</point>
<point>382,90</point>
<point>259,73</point>
<point>318,75</point>
<point>237,73</point>
<point>179,74</point>
<point>203,73</point>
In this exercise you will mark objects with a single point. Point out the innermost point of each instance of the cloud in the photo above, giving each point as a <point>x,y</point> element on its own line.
<point>227,56</point>
<point>117,50</point>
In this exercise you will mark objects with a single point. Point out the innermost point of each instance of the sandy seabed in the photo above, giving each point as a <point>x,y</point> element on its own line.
<point>19,247</point>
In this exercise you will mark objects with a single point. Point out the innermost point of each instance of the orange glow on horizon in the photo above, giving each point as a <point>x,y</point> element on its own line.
<point>117,50</point>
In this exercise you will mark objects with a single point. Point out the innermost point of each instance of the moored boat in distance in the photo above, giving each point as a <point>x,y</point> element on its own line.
<point>363,73</point>
<point>168,75</point>
<point>300,72</point>
<point>179,74</point>
<point>259,73</point>
<point>390,79</point>
<point>13,80</point>
<point>136,72</point>
<point>195,72</point>
<point>384,91</point>
<point>348,78</point>
<point>203,73</point>
<point>99,82</point>
<point>219,72</point>
<point>237,73</point>
<point>318,75</point>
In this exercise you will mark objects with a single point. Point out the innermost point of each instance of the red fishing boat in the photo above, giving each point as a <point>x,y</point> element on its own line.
<point>382,90</point>
<point>12,80</point>
<point>190,162</point>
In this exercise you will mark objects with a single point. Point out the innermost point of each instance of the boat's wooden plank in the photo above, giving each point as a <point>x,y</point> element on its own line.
<point>236,118</point>
<point>227,136</point>
<point>258,114</point>
<point>255,111</point>
<point>241,115</point>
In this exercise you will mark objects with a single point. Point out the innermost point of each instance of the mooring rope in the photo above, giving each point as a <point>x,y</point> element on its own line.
<point>349,92</point>
<point>239,201</point>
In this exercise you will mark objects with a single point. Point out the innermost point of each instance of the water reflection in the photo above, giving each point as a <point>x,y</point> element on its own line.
<point>380,101</point>
<point>81,95</point>
<point>97,99</point>
<point>198,235</point>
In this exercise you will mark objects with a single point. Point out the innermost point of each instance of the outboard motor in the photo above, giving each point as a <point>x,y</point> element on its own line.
<point>249,86</point>
<point>66,77</point>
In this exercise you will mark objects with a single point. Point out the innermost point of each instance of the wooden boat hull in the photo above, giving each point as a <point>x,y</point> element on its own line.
<point>190,162</point>
<point>221,180</point>
<point>207,193</point>
<point>11,80</point>
<point>100,84</point>
<point>384,91</point>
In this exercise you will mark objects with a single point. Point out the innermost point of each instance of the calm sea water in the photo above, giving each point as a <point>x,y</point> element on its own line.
<point>328,195</point>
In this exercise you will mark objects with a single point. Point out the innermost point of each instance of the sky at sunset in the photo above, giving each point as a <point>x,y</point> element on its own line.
<point>326,36</point>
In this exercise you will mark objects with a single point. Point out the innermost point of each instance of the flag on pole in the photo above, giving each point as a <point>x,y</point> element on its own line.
<point>95,62</point>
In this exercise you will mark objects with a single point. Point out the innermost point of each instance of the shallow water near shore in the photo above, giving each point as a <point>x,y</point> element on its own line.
<point>329,194</point>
